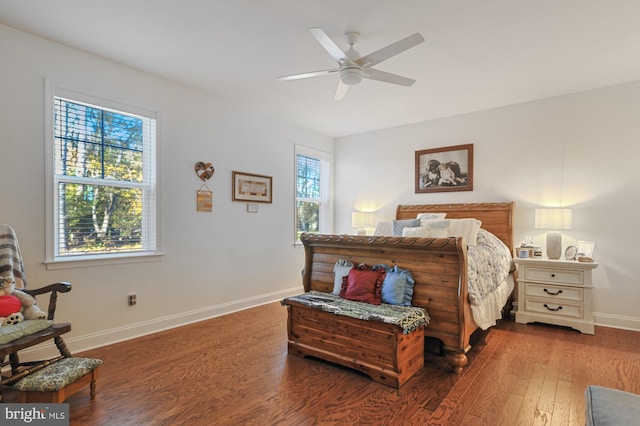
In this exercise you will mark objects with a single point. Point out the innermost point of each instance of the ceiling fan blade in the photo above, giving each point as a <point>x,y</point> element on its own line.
<point>387,77</point>
<point>329,45</point>
<point>308,74</point>
<point>391,50</point>
<point>341,90</point>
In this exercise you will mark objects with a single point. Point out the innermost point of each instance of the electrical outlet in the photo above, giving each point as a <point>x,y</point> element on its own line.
<point>133,299</point>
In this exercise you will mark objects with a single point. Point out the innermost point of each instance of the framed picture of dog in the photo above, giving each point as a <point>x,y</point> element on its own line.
<point>445,169</point>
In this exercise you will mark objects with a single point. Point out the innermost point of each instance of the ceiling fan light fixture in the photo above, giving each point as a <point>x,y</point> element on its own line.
<point>351,75</point>
<point>353,67</point>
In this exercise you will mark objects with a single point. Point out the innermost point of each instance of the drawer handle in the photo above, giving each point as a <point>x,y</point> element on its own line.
<point>553,275</point>
<point>552,309</point>
<point>552,294</point>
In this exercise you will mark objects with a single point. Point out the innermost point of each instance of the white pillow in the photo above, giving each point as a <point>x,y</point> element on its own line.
<point>418,231</point>
<point>340,269</point>
<point>466,228</point>
<point>438,232</point>
<point>425,231</point>
<point>431,216</point>
<point>384,229</point>
<point>435,223</point>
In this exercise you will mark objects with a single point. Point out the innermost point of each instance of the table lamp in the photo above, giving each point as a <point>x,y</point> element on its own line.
<point>553,219</point>
<point>362,221</point>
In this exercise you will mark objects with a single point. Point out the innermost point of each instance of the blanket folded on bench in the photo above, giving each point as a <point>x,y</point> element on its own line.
<point>409,318</point>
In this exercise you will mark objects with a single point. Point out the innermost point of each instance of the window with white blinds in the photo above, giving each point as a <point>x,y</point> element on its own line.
<point>104,181</point>
<point>313,184</point>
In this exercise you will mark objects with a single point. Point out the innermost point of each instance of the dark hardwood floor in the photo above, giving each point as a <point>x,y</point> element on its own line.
<point>234,370</point>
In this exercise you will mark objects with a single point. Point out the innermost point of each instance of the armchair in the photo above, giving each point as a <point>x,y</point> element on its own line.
<point>28,333</point>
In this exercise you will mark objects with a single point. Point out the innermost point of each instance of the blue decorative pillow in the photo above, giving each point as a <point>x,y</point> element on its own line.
<point>399,225</point>
<point>397,287</point>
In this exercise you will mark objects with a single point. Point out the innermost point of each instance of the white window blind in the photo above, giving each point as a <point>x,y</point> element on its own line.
<point>104,180</point>
<point>313,185</point>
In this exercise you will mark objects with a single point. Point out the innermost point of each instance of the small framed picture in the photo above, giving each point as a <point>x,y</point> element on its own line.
<point>251,187</point>
<point>585,248</point>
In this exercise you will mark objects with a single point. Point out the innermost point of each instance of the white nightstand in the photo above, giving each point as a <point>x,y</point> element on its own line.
<point>555,292</point>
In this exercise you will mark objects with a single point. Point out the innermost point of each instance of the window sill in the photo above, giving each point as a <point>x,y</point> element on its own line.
<point>97,260</point>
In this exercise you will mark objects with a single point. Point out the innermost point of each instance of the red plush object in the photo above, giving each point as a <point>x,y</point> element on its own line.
<point>9,305</point>
<point>363,285</point>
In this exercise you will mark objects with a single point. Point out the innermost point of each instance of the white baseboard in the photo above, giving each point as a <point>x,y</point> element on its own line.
<point>119,334</point>
<point>617,321</point>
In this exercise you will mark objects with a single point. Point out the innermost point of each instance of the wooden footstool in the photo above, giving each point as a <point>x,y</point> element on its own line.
<point>55,382</point>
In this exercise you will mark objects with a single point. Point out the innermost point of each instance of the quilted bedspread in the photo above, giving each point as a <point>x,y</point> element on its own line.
<point>409,318</point>
<point>489,264</point>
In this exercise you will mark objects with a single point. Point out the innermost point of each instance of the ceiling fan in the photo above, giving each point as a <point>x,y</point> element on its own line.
<point>353,67</point>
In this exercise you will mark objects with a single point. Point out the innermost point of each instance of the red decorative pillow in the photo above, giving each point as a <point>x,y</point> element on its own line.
<point>9,304</point>
<point>363,285</point>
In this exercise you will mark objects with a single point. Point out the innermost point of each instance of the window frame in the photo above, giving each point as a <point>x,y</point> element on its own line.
<point>151,216</point>
<point>326,189</point>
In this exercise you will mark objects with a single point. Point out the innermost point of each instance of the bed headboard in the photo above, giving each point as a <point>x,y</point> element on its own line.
<point>495,217</point>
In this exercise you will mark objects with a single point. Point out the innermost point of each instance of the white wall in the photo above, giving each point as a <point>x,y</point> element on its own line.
<point>215,262</point>
<point>580,150</point>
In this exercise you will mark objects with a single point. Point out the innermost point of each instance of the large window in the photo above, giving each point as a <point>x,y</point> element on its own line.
<point>104,184</point>
<point>313,185</point>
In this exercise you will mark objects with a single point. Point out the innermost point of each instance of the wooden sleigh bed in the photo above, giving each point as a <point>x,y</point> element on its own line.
<point>438,265</point>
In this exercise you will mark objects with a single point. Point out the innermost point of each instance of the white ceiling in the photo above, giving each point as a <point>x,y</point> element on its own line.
<point>478,54</point>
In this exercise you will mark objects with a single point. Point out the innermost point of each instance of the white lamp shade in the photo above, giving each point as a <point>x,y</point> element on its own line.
<point>553,218</point>
<point>362,219</point>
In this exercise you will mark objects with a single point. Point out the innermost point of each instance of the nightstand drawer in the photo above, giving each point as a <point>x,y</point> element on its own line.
<point>552,292</point>
<point>559,276</point>
<point>548,307</point>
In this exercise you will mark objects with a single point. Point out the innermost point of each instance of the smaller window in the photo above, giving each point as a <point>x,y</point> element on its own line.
<point>313,183</point>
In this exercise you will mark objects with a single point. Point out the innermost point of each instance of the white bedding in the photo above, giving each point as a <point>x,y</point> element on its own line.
<point>490,282</point>
<point>489,310</point>
<point>384,229</point>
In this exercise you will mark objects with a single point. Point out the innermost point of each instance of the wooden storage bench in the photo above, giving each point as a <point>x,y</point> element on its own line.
<point>378,349</point>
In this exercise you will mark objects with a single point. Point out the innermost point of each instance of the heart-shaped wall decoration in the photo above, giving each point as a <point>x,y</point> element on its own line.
<point>204,170</point>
